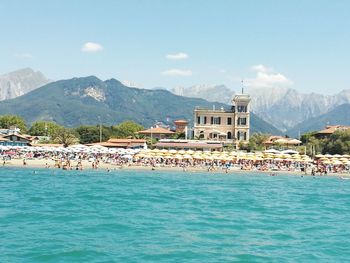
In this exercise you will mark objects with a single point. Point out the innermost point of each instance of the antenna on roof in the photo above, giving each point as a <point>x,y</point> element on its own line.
<point>242,87</point>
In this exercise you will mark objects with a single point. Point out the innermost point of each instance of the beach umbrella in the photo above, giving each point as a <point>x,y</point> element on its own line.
<point>346,156</point>
<point>164,151</point>
<point>127,156</point>
<point>197,157</point>
<point>190,152</point>
<point>173,151</point>
<point>337,162</point>
<point>319,156</point>
<point>187,156</point>
<point>294,142</point>
<point>178,156</point>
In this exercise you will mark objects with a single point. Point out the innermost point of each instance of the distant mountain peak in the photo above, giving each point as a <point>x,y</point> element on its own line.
<point>20,82</point>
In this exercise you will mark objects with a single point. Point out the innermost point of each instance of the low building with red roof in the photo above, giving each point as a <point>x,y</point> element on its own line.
<point>157,132</point>
<point>329,130</point>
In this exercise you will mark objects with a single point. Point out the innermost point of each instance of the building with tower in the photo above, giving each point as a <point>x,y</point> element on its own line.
<point>224,124</point>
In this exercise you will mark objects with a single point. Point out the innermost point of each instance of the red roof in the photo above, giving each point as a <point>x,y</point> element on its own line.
<point>333,128</point>
<point>181,121</point>
<point>121,143</point>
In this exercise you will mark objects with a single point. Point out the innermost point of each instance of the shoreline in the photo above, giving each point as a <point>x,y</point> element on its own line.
<point>41,164</point>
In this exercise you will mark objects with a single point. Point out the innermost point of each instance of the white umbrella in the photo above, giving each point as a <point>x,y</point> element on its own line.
<point>272,151</point>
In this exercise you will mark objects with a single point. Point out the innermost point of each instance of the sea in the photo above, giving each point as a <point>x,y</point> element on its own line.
<point>156,216</point>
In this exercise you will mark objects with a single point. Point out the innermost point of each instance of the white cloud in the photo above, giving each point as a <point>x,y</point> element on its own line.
<point>91,47</point>
<point>23,55</point>
<point>267,77</point>
<point>261,68</point>
<point>177,56</point>
<point>177,72</point>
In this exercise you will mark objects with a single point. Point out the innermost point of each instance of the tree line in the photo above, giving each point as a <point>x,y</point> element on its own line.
<point>55,133</point>
<point>337,143</point>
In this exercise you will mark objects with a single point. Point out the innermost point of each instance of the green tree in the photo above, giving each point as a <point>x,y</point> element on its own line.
<point>126,129</point>
<point>338,143</point>
<point>256,142</point>
<point>178,135</point>
<point>91,134</point>
<point>43,128</point>
<point>6,121</point>
<point>66,137</point>
<point>307,137</point>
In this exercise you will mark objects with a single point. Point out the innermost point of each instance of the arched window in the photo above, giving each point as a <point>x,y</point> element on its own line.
<point>229,135</point>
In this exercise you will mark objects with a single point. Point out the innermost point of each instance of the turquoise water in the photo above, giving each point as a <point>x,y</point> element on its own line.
<point>128,216</point>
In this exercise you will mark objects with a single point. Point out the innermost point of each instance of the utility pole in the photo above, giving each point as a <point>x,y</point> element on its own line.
<point>99,118</point>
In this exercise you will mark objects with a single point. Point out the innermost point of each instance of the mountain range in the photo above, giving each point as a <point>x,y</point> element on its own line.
<point>20,82</point>
<point>89,100</point>
<point>81,100</point>
<point>285,108</point>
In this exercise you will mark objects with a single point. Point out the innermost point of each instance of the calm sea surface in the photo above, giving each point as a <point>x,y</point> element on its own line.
<point>129,216</point>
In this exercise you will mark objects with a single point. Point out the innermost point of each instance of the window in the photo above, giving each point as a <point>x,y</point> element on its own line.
<point>242,136</point>
<point>229,121</point>
<point>205,119</point>
<point>242,108</point>
<point>198,120</point>
<point>216,120</point>
<point>229,135</point>
<point>242,121</point>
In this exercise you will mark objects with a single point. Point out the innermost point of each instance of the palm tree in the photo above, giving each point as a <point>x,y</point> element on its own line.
<point>66,137</point>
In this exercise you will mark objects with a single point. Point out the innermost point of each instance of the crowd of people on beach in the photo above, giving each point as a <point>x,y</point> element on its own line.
<point>79,159</point>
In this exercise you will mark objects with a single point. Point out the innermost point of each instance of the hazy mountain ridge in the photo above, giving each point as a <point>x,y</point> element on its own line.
<point>215,93</point>
<point>340,115</point>
<point>282,107</point>
<point>20,82</point>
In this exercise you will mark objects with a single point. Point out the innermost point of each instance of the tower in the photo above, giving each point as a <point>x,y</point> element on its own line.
<point>241,116</point>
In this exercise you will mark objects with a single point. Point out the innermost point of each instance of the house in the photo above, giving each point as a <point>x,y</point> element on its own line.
<point>329,130</point>
<point>181,126</point>
<point>15,140</point>
<point>224,124</point>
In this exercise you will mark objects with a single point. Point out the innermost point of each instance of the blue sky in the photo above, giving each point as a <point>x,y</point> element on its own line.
<point>300,44</point>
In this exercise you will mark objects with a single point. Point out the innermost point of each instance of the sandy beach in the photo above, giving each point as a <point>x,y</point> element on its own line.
<point>50,164</point>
